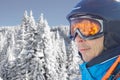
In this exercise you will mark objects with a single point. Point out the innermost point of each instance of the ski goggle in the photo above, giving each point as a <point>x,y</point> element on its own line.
<point>86,27</point>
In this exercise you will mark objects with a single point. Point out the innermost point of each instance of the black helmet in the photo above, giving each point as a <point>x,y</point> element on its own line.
<point>109,10</point>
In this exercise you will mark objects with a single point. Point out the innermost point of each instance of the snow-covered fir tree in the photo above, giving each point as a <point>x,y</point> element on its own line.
<point>60,53</point>
<point>36,51</point>
<point>73,61</point>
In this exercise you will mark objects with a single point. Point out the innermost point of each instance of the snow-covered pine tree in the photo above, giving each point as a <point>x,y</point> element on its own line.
<point>73,61</point>
<point>60,53</point>
<point>27,64</point>
<point>27,35</point>
<point>34,68</point>
<point>47,48</point>
<point>10,51</point>
<point>40,52</point>
<point>62,63</point>
<point>4,44</point>
<point>19,36</point>
<point>32,21</point>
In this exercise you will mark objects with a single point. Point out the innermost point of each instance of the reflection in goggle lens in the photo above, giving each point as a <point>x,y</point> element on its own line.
<point>86,27</point>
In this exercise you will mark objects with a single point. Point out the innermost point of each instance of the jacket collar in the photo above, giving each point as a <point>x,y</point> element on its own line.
<point>105,55</point>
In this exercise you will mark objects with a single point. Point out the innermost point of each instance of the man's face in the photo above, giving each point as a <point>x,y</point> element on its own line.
<point>89,48</point>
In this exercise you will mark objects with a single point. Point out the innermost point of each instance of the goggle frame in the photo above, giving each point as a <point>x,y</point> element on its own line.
<point>77,31</point>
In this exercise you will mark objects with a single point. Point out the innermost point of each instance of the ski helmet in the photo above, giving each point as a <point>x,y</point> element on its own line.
<point>109,11</point>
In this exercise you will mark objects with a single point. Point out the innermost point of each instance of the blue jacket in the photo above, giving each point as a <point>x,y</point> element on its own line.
<point>95,70</point>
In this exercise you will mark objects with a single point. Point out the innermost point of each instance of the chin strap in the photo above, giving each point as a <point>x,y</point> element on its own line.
<point>111,70</point>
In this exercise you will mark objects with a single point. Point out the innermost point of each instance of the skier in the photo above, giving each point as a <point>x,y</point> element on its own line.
<point>95,27</point>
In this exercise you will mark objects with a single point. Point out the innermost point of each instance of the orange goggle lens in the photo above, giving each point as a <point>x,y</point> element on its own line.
<point>87,27</point>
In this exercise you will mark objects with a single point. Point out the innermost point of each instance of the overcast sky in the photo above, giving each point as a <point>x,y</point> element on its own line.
<point>55,11</point>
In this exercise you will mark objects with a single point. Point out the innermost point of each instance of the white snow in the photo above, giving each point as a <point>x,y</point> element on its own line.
<point>37,52</point>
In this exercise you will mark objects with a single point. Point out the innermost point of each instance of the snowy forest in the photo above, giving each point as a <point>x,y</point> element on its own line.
<point>35,51</point>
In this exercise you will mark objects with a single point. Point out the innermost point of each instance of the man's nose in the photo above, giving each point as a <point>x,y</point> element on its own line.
<point>79,39</point>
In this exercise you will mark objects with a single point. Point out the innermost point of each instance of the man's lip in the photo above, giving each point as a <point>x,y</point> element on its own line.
<point>84,49</point>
